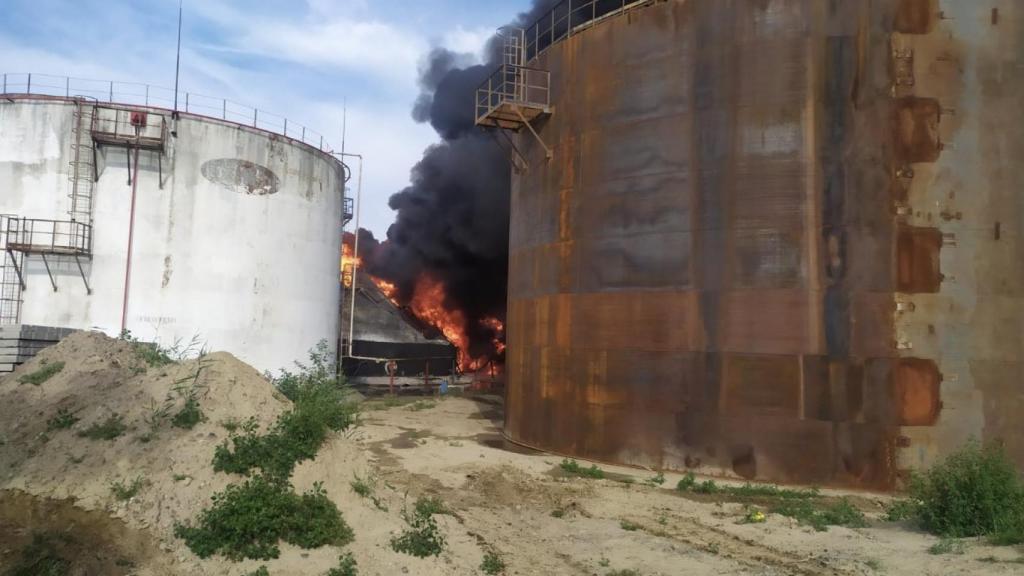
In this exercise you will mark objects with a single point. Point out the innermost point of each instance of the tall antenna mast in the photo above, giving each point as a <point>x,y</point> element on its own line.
<point>177,64</point>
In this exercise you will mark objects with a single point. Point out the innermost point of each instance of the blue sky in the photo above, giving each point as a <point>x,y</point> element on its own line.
<point>298,58</point>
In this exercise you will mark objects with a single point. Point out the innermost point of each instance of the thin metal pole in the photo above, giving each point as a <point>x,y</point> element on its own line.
<point>111,90</point>
<point>177,63</point>
<point>67,86</point>
<point>131,240</point>
<point>29,91</point>
<point>355,269</point>
<point>225,108</point>
<point>255,117</point>
<point>147,94</point>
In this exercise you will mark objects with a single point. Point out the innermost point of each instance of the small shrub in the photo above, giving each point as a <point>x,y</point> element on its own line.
<point>261,571</point>
<point>573,468</point>
<point>428,506</point>
<point>320,406</point>
<point>492,564</point>
<point>422,538</point>
<point>231,424</point>
<point>63,420</point>
<point>346,566</point>
<point>558,513</point>
<point>628,572</point>
<point>43,374</point>
<point>874,564</point>
<point>706,487</point>
<point>126,491</point>
<point>974,492</point>
<point>687,483</point>
<point>189,416</point>
<point>248,521</point>
<point>629,526</point>
<point>109,429</point>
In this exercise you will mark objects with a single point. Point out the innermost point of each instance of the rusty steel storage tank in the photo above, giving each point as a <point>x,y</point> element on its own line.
<point>780,238</point>
<point>218,221</point>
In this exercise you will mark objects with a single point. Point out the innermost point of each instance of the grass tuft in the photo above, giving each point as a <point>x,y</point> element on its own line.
<point>126,491</point>
<point>109,429</point>
<point>63,420</point>
<point>492,564</point>
<point>43,374</point>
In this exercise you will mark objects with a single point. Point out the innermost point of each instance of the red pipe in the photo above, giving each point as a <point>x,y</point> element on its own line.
<point>131,239</point>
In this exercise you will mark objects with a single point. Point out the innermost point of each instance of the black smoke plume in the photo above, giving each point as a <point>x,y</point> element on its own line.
<point>452,222</point>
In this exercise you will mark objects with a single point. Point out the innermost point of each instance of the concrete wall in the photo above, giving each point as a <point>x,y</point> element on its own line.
<point>779,238</point>
<point>239,247</point>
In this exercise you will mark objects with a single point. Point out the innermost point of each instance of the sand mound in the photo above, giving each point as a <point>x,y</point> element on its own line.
<point>103,378</point>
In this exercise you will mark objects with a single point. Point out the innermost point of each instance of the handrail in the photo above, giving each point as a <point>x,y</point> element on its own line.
<point>511,84</point>
<point>139,94</point>
<point>48,236</point>
<point>569,17</point>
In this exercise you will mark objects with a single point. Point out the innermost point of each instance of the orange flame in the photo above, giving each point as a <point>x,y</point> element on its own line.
<point>348,263</point>
<point>427,304</point>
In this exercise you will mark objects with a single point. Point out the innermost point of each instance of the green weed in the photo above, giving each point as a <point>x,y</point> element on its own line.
<point>126,491</point>
<point>947,546</point>
<point>821,516</point>
<point>109,429</point>
<point>149,352</point>
<point>43,374</point>
<point>63,420</point>
<point>421,405</point>
<point>367,487</point>
<point>629,526</point>
<point>625,572</point>
<point>874,564</point>
<point>492,564</point>
<point>573,468</point>
<point>346,566</point>
<point>558,513</point>
<point>248,521</point>
<point>657,480</point>
<point>261,571</point>
<point>745,492</point>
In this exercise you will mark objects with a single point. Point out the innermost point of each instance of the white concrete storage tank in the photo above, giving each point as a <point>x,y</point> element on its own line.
<point>236,238</point>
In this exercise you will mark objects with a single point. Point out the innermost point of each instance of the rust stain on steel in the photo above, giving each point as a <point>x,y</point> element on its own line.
<point>915,16</point>
<point>756,248</point>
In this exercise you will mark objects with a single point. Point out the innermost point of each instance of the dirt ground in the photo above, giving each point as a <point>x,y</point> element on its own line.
<point>56,485</point>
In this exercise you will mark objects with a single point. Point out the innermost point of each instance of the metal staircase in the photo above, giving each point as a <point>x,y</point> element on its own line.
<point>515,95</point>
<point>83,173</point>
<point>11,263</point>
